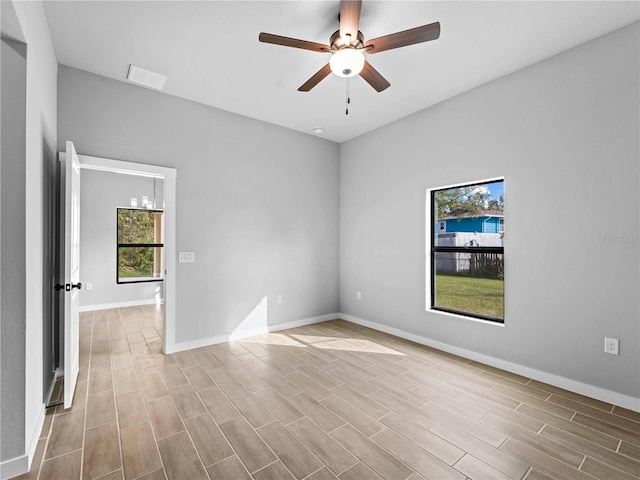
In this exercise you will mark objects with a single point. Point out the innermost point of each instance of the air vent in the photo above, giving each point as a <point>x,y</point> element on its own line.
<point>145,77</point>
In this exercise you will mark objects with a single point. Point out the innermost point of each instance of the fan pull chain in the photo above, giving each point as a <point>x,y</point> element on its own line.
<point>348,98</point>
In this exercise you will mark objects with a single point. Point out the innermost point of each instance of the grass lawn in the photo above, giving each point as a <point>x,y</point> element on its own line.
<point>481,296</point>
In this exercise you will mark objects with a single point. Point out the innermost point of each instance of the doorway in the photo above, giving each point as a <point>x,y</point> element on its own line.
<point>167,176</point>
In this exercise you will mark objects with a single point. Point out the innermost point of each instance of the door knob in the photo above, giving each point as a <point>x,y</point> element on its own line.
<point>68,286</point>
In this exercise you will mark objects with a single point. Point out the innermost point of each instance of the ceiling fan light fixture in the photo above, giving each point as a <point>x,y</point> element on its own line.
<point>347,62</point>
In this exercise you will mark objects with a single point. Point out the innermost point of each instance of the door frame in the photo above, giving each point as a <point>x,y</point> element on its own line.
<point>169,175</point>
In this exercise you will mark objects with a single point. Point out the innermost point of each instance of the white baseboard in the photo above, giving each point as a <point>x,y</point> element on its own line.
<point>107,306</point>
<point>203,342</point>
<point>19,465</point>
<point>592,391</point>
<point>14,467</point>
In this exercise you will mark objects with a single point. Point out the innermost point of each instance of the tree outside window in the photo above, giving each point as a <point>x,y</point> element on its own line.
<point>140,245</point>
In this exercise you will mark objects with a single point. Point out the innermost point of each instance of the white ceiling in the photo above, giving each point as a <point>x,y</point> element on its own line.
<point>211,54</point>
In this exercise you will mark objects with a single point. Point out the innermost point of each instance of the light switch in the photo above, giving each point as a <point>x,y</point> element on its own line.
<point>186,257</point>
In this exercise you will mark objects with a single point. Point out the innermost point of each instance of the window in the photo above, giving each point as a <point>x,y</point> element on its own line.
<point>139,245</point>
<point>467,258</point>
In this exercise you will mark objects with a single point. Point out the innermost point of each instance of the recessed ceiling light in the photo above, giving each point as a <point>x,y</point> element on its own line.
<point>318,130</point>
<point>146,77</point>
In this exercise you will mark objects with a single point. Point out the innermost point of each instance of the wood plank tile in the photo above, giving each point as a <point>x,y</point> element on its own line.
<point>353,381</point>
<point>207,361</point>
<point>101,451</point>
<point>225,380</point>
<point>164,417</point>
<point>421,417</point>
<point>275,471</point>
<point>199,378</point>
<point>439,448</point>
<point>369,453</point>
<point>630,450</point>
<point>352,415</point>
<point>153,386</point>
<point>187,401</point>
<point>250,379</point>
<point>474,468</point>
<point>251,449</point>
<point>221,409</point>
<point>610,418</point>
<point>208,439</point>
<point>364,403</point>
<point>172,375</point>
<point>66,434</point>
<point>291,451</point>
<point>308,386</point>
<point>283,386</point>
<point>585,432</point>
<point>592,402</point>
<point>122,360</point>
<point>626,413</point>
<point>605,472</point>
<point>322,474</point>
<point>139,450</point>
<point>65,466</point>
<point>100,381</point>
<point>131,409</point>
<point>318,376</point>
<point>101,409</point>
<point>279,406</point>
<point>412,455</point>
<point>230,468</point>
<point>541,461</point>
<point>604,426</point>
<point>185,359</point>
<point>358,472</point>
<point>117,475</point>
<point>542,444</point>
<point>155,475</point>
<point>490,455</point>
<point>180,458</point>
<point>332,454</point>
<point>617,460</point>
<point>317,412</point>
<point>125,380</point>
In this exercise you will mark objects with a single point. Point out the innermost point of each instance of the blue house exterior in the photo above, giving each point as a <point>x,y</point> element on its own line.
<point>487,222</point>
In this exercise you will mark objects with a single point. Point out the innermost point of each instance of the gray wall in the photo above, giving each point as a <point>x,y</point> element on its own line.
<point>257,203</point>
<point>564,133</point>
<point>13,68</point>
<point>100,195</point>
<point>30,327</point>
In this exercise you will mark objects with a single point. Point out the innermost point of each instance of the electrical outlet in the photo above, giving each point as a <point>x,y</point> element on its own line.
<point>186,257</point>
<point>89,286</point>
<point>279,298</point>
<point>612,345</point>
<point>358,295</point>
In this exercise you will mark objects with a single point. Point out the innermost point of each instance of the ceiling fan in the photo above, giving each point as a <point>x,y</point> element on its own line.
<point>347,47</point>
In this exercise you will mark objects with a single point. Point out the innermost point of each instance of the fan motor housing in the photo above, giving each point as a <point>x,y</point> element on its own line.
<point>338,42</point>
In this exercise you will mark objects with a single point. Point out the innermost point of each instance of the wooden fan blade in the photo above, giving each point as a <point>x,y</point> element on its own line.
<point>349,18</point>
<point>315,79</point>
<point>293,42</point>
<point>373,77</point>
<point>421,34</point>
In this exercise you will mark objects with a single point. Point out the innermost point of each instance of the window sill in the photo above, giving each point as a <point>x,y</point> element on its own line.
<point>139,280</point>
<point>465,317</point>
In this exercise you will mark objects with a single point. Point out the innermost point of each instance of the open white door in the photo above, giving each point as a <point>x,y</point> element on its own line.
<point>72,285</point>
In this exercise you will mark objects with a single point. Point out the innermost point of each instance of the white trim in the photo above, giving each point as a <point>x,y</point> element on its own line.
<point>107,306</point>
<point>14,467</point>
<point>609,396</point>
<point>19,465</point>
<point>203,342</point>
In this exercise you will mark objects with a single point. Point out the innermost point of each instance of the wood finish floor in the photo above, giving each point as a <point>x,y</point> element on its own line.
<point>326,401</point>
